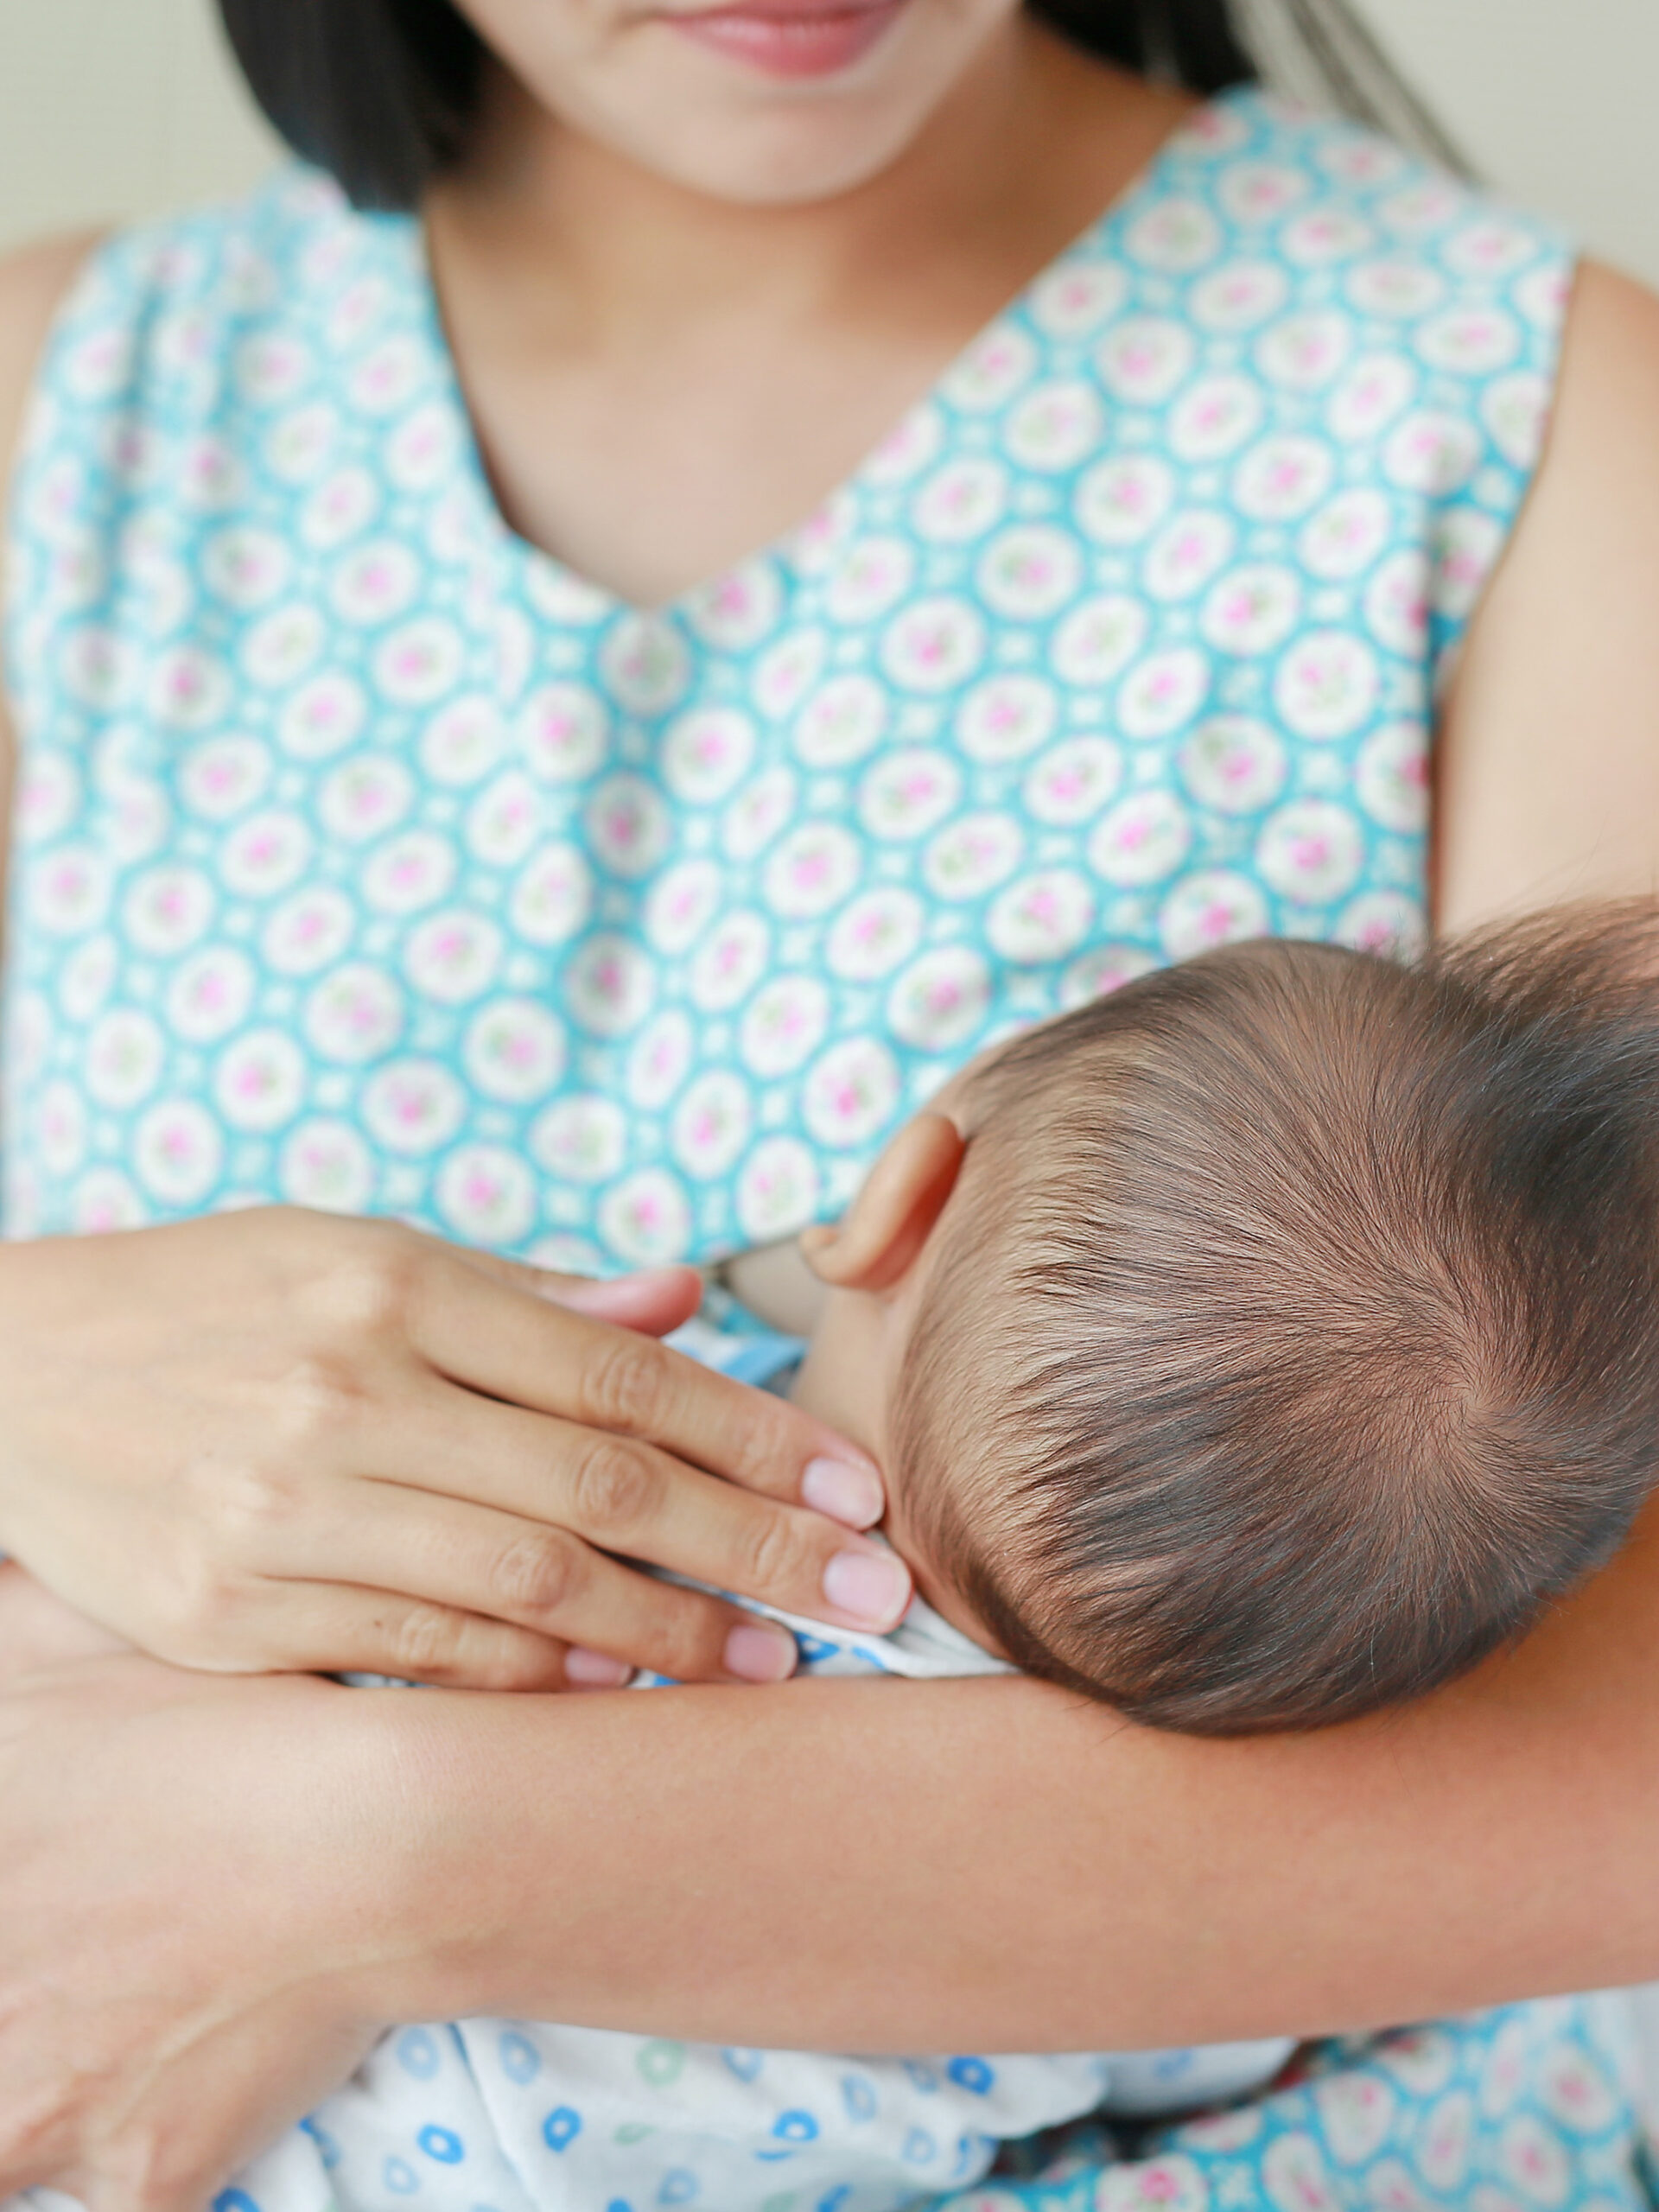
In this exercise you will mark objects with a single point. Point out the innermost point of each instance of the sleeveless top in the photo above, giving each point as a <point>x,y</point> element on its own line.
<point>369,859</point>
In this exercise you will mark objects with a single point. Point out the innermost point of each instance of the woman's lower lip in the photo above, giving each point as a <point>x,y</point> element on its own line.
<point>800,43</point>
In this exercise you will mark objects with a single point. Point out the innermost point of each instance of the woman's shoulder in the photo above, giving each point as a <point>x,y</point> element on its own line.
<point>1335,215</point>
<point>161,318</point>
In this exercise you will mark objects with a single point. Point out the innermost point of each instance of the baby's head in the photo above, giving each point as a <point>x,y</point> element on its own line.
<point>1270,1341</point>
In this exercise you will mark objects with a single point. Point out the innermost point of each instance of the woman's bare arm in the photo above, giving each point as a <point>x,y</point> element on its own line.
<point>1548,766</point>
<point>991,1863</point>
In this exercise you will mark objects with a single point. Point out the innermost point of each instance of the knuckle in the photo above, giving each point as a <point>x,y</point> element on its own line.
<point>772,1551</point>
<point>538,1573</point>
<point>370,1290</point>
<point>321,1398</point>
<point>622,1386</point>
<point>423,1641</point>
<point>252,1504</point>
<point>614,1487</point>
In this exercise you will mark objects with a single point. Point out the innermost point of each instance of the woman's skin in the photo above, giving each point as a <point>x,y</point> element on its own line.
<point>211,1891</point>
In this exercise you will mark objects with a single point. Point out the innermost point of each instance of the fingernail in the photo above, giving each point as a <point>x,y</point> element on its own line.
<point>756,1653</point>
<point>595,1670</point>
<point>848,1494</point>
<point>872,1587</point>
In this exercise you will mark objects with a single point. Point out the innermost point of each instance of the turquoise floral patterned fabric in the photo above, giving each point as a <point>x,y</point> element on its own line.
<point>1521,2110</point>
<point>369,859</point>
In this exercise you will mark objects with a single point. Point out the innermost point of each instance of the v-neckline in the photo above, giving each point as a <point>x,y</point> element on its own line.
<point>561,583</point>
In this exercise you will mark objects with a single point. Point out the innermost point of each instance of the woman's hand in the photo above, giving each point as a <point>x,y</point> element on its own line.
<point>278,1441</point>
<point>197,1922</point>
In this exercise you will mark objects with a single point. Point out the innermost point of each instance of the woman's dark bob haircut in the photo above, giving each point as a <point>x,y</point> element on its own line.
<point>384,93</point>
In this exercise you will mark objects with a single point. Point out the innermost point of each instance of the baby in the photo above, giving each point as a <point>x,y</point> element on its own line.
<point>1252,1349</point>
<point>1269,1342</point>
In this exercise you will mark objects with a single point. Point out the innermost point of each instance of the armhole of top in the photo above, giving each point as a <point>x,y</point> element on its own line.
<point>1475,525</point>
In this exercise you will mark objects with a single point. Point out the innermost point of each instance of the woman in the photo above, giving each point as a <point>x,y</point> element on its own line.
<point>690,266</point>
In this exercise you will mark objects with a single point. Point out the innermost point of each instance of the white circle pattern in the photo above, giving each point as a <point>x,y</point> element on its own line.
<point>368,859</point>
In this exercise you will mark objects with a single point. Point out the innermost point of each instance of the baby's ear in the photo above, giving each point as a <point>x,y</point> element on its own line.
<point>881,1235</point>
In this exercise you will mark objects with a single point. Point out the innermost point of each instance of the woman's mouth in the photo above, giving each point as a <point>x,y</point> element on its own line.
<point>810,38</point>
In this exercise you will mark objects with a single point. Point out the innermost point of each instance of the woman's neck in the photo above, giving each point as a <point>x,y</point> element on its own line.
<point>663,383</point>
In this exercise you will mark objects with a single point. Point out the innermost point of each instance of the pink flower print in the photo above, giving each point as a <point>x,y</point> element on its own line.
<point>488,1195</point>
<point>177,1150</point>
<point>1210,909</point>
<point>783,1025</point>
<point>1327,685</point>
<point>260,1083</point>
<point>812,870</point>
<point>47,799</point>
<point>712,1125</point>
<point>871,575</point>
<point>627,825</point>
<point>515,1051</point>
<point>1310,851</point>
<point>1041,918</point>
<point>1163,693</point>
<point>706,752</point>
<point>265,854</point>
<point>354,1014</point>
<point>211,474</point>
<point>373,585</point>
<point>1120,502</point>
<point>908,793</point>
<point>365,797</point>
<point>777,1189</point>
<point>1304,351</point>
<point>1234,764</point>
<point>1146,359</point>
<point>646,661</point>
<point>609,985</point>
<point>647,1220</point>
<point>1030,572</point>
<point>874,934</point>
<point>974,852</point>
<point>852,1093</point>
<point>1254,610</point>
<point>72,893</point>
<point>1143,840</point>
<point>940,1001</point>
<point>564,733</point>
<point>454,957</point>
<point>934,645</point>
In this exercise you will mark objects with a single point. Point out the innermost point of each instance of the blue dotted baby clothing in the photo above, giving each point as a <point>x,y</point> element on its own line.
<point>367,858</point>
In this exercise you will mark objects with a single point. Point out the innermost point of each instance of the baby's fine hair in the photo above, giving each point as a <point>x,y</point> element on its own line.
<point>1292,1337</point>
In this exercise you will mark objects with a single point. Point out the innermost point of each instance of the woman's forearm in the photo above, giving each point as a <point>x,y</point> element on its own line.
<point>995,1866</point>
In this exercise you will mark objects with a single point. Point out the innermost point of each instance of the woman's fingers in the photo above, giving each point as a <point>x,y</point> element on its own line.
<point>627,1497</point>
<point>469,1561</point>
<point>343,1627</point>
<point>497,1339</point>
<point>653,1301</point>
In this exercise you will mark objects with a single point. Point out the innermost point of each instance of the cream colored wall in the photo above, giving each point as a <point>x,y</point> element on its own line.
<point>111,107</point>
